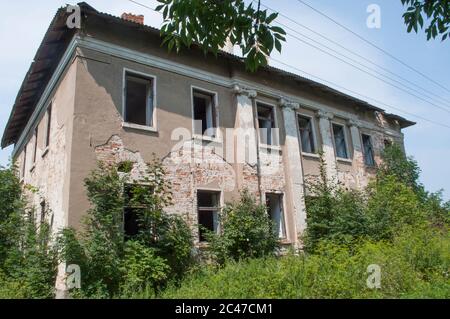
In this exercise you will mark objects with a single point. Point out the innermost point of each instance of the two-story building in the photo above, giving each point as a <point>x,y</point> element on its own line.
<point>110,92</point>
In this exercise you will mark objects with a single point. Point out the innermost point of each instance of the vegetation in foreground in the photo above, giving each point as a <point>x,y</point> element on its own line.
<point>394,223</point>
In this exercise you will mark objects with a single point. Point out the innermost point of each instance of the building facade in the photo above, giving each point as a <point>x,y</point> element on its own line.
<point>110,92</point>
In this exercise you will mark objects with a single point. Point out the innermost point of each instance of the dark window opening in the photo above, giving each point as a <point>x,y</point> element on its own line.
<point>132,212</point>
<point>49,123</point>
<point>208,209</point>
<point>24,164</point>
<point>306,134</point>
<point>369,159</point>
<point>36,132</point>
<point>204,114</point>
<point>43,211</point>
<point>274,204</point>
<point>339,141</point>
<point>138,100</point>
<point>267,125</point>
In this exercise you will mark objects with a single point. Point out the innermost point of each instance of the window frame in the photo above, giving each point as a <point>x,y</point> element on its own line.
<point>215,116</point>
<point>314,134</point>
<point>275,123</point>
<point>364,150</point>
<point>35,147</point>
<point>346,141</point>
<point>48,128</point>
<point>284,213</point>
<point>217,209</point>
<point>153,79</point>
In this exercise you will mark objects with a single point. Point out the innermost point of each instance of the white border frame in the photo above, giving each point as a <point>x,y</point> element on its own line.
<point>315,139</point>
<point>344,127</point>
<point>153,78</point>
<point>215,95</point>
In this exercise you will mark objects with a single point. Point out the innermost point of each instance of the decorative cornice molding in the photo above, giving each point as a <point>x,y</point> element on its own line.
<point>325,115</point>
<point>353,123</point>
<point>244,91</point>
<point>288,104</point>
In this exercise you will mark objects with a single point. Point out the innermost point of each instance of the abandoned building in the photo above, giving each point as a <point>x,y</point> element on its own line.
<point>109,91</point>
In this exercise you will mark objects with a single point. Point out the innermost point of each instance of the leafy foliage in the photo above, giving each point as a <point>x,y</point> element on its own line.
<point>246,232</point>
<point>414,265</point>
<point>435,13</point>
<point>109,261</point>
<point>210,23</point>
<point>27,259</point>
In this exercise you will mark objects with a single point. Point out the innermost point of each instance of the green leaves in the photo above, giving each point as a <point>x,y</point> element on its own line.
<point>436,13</point>
<point>211,23</point>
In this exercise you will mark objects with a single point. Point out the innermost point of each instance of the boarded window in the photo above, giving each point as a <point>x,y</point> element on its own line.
<point>208,212</point>
<point>139,100</point>
<point>204,113</point>
<point>267,125</point>
<point>306,134</point>
<point>274,204</point>
<point>340,142</point>
<point>369,159</point>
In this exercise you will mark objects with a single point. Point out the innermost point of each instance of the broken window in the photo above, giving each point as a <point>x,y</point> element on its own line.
<point>36,132</point>
<point>340,142</point>
<point>49,122</point>
<point>138,100</point>
<point>204,113</point>
<point>274,203</point>
<point>208,212</point>
<point>306,134</point>
<point>267,125</point>
<point>369,159</point>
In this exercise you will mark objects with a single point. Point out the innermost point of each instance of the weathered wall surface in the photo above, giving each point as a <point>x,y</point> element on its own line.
<point>49,175</point>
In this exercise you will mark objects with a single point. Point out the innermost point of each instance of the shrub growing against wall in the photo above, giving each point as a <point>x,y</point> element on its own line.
<point>112,261</point>
<point>246,231</point>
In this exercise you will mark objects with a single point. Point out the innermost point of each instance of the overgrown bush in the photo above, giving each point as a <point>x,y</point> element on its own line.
<point>333,271</point>
<point>110,261</point>
<point>27,258</point>
<point>394,199</point>
<point>246,231</point>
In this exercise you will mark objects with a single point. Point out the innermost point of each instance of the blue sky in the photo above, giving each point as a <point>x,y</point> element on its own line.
<point>24,23</point>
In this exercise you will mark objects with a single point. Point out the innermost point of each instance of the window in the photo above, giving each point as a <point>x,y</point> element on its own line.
<point>340,142</point>
<point>204,110</point>
<point>36,132</point>
<point>274,203</point>
<point>267,125</point>
<point>49,123</point>
<point>387,143</point>
<point>306,134</point>
<point>43,211</point>
<point>132,211</point>
<point>208,212</point>
<point>369,159</point>
<point>138,100</point>
<point>24,164</point>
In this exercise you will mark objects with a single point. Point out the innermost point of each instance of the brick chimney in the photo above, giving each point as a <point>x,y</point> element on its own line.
<point>133,18</point>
